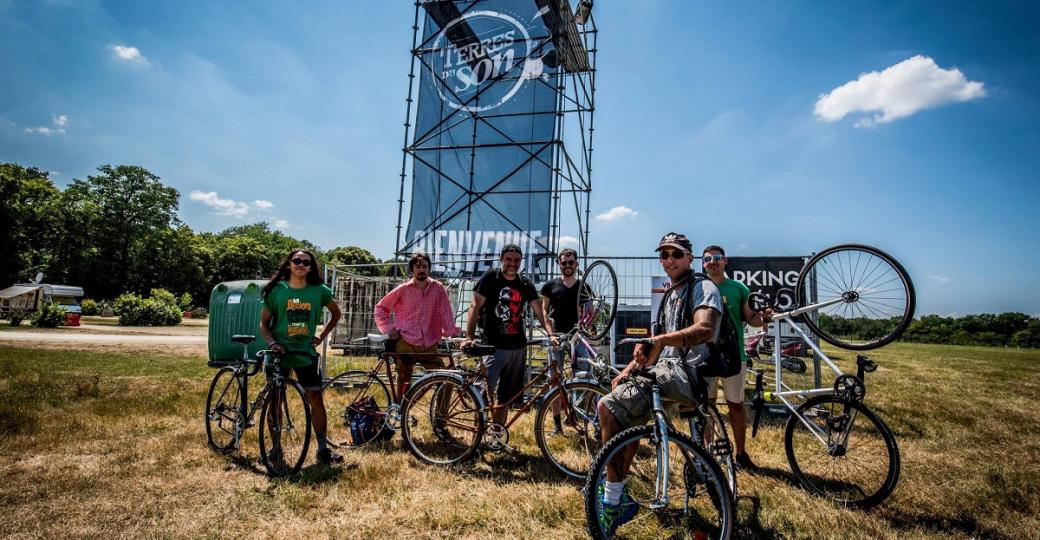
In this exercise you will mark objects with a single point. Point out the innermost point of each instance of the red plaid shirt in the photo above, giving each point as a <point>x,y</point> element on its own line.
<point>422,316</point>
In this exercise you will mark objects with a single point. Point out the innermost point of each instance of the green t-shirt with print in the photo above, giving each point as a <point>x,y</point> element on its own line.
<point>296,313</point>
<point>734,295</point>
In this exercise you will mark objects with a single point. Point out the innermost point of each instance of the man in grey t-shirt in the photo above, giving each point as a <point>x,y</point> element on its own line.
<point>686,332</point>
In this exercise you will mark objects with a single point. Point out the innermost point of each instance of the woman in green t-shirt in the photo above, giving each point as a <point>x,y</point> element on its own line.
<point>293,303</point>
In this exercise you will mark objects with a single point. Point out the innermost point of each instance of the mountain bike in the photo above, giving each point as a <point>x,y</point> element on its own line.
<point>285,413</point>
<point>674,483</point>
<point>836,446</point>
<point>449,416</point>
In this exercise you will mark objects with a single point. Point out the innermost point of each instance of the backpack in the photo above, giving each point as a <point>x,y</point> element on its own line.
<point>724,353</point>
<point>366,424</point>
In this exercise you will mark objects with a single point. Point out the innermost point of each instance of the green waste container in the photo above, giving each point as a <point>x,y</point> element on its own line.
<point>234,308</point>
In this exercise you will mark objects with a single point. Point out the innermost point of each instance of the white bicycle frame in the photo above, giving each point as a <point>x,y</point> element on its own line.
<point>785,395</point>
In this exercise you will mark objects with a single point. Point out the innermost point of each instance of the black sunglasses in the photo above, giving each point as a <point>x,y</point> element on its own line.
<point>301,262</point>
<point>568,263</point>
<point>665,255</point>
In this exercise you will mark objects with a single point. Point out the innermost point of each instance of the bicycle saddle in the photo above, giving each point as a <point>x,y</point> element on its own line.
<point>479,350</point>
<point>377,338</point>
<point>243,339</point>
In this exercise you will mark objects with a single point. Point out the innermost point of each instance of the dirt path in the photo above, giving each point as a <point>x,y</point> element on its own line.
<point>89,337</point>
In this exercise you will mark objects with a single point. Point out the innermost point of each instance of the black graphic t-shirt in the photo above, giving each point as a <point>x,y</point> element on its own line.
<point>563,304</point>
<point>504,302</point>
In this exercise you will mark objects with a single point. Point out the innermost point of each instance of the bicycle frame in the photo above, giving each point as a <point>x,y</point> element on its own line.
<point>783,395</point>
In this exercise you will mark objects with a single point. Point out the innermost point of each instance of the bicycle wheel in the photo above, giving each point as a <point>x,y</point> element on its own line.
<point>857,467</point>
<point>570,443</point>
<point>877,296</point>
<point>285,428</point>
<point>709,430</point>
<point>597,300</point>
<point>223,410</point>
<point>442,419</point>
<point>349,395</point>
<point>699,504</point>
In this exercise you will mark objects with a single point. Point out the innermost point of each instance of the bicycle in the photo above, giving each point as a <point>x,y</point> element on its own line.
<point>685,497</point>
<point>362,407</point>
<point>860,285</point>
<point>759,349</point>
<point>449,416</point>
<point>282,404</point>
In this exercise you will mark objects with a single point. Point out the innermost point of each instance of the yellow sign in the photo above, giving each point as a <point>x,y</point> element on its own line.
<point>637,331</point>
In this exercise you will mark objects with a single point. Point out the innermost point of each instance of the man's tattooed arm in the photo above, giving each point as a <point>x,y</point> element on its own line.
<point>701,331</point>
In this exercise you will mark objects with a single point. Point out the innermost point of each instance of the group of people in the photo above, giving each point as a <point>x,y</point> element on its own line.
<point>417,315</point>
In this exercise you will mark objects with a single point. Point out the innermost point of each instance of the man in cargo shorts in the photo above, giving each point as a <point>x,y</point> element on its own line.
<point>691,319</point>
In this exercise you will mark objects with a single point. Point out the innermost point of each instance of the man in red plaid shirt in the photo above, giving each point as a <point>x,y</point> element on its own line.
<point>421,314</point>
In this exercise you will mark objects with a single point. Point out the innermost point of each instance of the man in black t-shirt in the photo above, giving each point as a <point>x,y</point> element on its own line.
<point>560,302</point>
<point>503,293</point>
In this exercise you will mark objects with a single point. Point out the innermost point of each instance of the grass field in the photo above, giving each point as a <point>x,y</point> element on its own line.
<point>110,444</point>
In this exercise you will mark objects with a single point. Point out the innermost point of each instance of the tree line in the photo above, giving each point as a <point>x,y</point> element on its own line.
<point>118,231</point>
<point>1009,329</point>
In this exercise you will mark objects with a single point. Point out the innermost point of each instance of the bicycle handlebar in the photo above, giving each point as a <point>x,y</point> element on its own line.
<point>626,341</point>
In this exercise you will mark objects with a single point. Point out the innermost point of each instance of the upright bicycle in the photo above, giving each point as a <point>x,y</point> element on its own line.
<point>448,416</point>
<point>285,413</point>
<point>674,486</point>
<point>362,407</point>
<point>855,297</point>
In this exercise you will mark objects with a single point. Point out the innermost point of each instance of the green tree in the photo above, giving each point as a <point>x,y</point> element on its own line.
<point>133,206</point>
<point>30,219</point>
<point>352,255</point>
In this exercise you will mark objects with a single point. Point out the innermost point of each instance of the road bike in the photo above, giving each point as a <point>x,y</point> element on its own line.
<point>449,416</point>
<point>364,406</point>
<point>285,413</point>
<point>674,483</point>
<point>859,298</point>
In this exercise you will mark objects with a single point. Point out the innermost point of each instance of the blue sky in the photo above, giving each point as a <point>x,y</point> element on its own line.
<point>747,125</point>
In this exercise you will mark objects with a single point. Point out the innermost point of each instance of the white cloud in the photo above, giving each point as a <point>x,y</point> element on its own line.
<point>616,213</point>
<point>43,130</point>
<point>899,91</point>
<point>263,205</point>
<point>224,207</point>
<point>128,54</point>
<point>59,121</point>
<point>940,279</point>
<point>280,223</point>
<point>568,241</point>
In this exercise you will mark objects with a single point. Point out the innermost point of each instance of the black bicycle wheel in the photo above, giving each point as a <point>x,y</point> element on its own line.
<point>859,464</point>
<point>442,421</point>
<point>597,300</point>
<point>877,296</point>
<point>710,430</point>
<point>699,503</point>
<point>223,410</point>
<point>350,396</point>
<point>570,442</point>
<point>285,428</point>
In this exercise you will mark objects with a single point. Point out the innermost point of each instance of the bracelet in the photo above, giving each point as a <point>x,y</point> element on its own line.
<point>271,344</point>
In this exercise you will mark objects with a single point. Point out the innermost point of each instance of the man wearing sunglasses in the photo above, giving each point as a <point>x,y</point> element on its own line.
<point>687,320</point>
<point>560,303</point>
<point>735,297</point>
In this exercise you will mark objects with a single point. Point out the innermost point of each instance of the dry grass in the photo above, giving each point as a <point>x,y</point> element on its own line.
<point>113,444</point>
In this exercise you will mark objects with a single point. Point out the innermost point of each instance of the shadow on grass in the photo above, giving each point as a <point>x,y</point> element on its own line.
<point>751,527</point>
<point>507,466</point>
<point>904,521</point>
<point>311,475</point>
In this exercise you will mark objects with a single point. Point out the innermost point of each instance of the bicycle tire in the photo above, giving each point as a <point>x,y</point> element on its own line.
<point>872,433</point>
<point>224,416</point>
<point>717,443</point>
<point>597,300</point>
<point>841,271</point>
<point>432,433</point>
<point>709,492</point>
<point>344,395</point>
<point>283,449</point>
<point>570,451</point>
